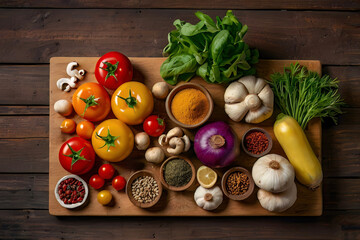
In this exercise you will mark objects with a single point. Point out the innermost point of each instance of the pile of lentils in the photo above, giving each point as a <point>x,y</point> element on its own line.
<point>71,191</point>
<point>237,183</point>
<point>145,189</point>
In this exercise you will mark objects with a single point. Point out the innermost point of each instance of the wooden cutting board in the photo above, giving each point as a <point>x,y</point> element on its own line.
<point>146,70</point>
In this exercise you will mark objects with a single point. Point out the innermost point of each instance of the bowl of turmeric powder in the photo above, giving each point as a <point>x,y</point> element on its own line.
<point>189,105</point>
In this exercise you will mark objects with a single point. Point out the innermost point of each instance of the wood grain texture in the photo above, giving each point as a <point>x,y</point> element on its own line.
<point>30,86</point>
<point>36,35</point>
<point>30,191</point>
<point>23,110</point>
<point>24,126</point>
<point>37,224</point>
<point>24,84</point>
<point>173,203</point>
<point>187,4</point>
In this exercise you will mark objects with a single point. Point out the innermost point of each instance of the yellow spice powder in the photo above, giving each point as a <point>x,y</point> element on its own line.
<point>190,106</point>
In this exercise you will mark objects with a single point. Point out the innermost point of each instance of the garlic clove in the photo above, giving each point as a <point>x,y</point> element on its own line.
<point>267,96</point>
<point>259,115</point>
<point>259,85</point>
<point>249,83</point>
<point>236,92</point>
<point>236,111</point>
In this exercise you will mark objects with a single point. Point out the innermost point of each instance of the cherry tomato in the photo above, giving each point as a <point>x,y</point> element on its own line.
<point>104,197</point>
<point>91,101</point>
<point>77,156</point>
<point>113,69</point>
<point>106,171</point>
<point>154,125</point>
<point>85,129</point>
<point>118,183</point>
<point>96,181</point>
<point>68,126</point>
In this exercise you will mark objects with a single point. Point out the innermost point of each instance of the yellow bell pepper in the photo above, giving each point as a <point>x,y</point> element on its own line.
<point>132,102</point>
<point>298,150</point>
<point>112,140</point>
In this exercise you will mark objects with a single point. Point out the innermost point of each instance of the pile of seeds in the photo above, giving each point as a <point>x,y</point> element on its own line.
<point>237,183</point>
<point>145,189</point>
<point>71,191</point>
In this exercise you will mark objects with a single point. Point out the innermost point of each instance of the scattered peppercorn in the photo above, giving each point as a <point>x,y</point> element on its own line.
<point>256,142</point>
<point>71,191</point>
<point>237,183</point>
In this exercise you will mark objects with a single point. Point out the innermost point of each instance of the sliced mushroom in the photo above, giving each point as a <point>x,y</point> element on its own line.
<point>176,146</point>
<point>187,143</point>
<point>162,140</point>
<point>175,132</point>
<point>66,84</point>
<point>79,74</point>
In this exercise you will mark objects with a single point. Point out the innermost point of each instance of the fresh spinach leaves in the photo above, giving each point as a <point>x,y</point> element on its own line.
<point>212,50</point>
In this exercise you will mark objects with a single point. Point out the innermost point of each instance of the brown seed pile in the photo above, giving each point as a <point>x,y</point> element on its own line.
<point>145,189</point>
<point>237,183</point>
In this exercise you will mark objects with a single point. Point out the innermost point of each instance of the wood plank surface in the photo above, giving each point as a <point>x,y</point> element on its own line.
<point>172,203</point>
<point>30,86</point>
<point>37,224</point>
<point>187,4</point>
<point>36,35</point>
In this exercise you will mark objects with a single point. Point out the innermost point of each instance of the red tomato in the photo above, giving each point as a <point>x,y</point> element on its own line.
<point>118,183</point>
<point>106,171</point>
<point>85,129</point>
<point>113,69</point>
<point>77,156</point>
<point>154,125</point>
<point>96,181</point>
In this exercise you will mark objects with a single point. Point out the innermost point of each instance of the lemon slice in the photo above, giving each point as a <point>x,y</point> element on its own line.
<point>206,177</point>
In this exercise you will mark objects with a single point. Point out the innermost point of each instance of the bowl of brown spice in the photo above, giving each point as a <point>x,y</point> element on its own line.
<point>143,189</point>
<point>237,183</point>
<point>189,105</point>
<point>177,173</point>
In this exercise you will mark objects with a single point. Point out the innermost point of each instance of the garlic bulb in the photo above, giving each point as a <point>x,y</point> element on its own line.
<point>273,173</point>
<point>278,202</point>
<point>249,96</point>
<point>208,198</point>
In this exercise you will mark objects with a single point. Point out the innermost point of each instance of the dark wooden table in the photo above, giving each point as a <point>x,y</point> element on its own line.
<point>31,32</point>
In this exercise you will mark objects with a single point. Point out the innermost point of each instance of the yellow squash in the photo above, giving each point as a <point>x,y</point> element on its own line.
<point>298,150</point>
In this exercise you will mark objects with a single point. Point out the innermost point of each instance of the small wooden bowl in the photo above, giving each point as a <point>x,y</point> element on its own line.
<point>182,87</point>
<point>173,188</point>
<point>237,197</point>
<point>132,178</point>
<point>257,130</point>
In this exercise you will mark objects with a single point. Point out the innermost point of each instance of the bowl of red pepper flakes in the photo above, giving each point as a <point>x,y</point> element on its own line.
<point>256,142</point>
<point>71,191</point>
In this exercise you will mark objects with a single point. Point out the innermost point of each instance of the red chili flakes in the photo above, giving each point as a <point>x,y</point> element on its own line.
<point>256,142</point>
<point>71,191</point>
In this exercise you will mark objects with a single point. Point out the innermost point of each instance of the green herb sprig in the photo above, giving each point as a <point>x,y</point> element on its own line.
<point>304,95</point>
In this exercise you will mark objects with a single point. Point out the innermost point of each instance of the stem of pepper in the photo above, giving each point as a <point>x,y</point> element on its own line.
<point>130,101</point>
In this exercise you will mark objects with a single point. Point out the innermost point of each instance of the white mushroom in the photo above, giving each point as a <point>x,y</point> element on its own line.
<point>66,84</point>
<point>142,141</point>
<point>160,90</point>
<point>175,132</point>
<point>176,146</point>
<point>154,155</point>
<point>249,97</point>
<point>63,107</point>
<point>186,140</point>
<point>79,74</point>
<point>162,140</point>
